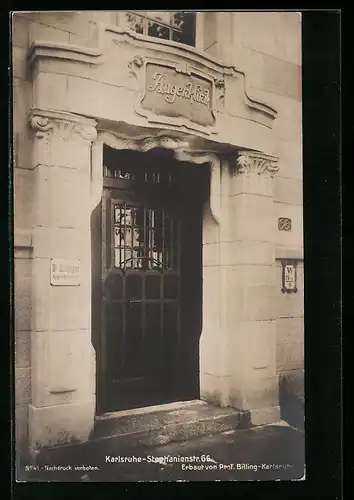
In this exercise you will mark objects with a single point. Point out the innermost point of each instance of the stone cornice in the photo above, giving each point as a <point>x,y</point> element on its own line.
<point>66,51</point>
<point>46,122</point>
<point>255,162</point>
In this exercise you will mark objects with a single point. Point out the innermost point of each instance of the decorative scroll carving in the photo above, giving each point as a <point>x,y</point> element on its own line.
<point>143,144</point>
<point>41,125</point>
<point>135,64</point>
<point>87,133</point>
<point>65,126</point>
<point>220,86</point>
<point>253,162</point>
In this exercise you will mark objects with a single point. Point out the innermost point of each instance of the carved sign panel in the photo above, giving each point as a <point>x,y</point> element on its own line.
<point>173,93</point>
<point>64,272</point>
<point>289,277</point>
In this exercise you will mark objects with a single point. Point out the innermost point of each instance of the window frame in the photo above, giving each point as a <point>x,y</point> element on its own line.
<point>146,19</point>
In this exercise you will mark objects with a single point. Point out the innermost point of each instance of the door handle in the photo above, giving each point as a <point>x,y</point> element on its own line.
<point>134,301</point>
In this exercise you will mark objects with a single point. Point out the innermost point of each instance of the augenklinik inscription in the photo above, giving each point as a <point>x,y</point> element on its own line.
<point>171,91</point>
<point>175,94</point>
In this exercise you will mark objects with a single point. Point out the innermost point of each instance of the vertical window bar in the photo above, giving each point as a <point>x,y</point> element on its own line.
<point>167,238</point>
<point>132,242</point>
<point>124,233</point>
<point>172,242</point>
<point>150,238</point>
<point>145,253</point>
<point>178,239</point>
<point>163,238</point>
<point>153,235</point>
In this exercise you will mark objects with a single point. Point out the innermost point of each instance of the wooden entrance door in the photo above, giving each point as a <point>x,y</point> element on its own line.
<point>150,281</point>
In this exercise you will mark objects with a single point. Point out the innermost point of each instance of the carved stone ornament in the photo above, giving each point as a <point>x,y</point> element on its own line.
<point>143,144</point>
<point>284,224</point>
<point>136,63</point>
<point>62,124</point>
<point>251,162</point>
<point>221,88</point>
<point>182,152</point>
<point>41,125</point>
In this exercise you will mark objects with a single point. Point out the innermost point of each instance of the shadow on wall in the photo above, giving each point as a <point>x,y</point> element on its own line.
<point>291,399</point>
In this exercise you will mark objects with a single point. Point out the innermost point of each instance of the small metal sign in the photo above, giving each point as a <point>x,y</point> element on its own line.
<point>64,272</point>
<point>289,277</point>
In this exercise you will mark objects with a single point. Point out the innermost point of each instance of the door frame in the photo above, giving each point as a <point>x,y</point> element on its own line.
<point>182,152</point>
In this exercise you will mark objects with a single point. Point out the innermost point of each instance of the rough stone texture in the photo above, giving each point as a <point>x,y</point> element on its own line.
<point>165,424</point>
<point>265,415</point>
<point>23,385</point>
<point>292,397</point>
<point>23,293</point>
<point>290,343</point>
<point>23,196</point>
<point>21,431</point>
<point>59,424</point>
<point>23,348</point>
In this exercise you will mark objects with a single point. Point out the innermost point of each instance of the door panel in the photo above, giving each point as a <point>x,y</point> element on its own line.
<point>151,288</point>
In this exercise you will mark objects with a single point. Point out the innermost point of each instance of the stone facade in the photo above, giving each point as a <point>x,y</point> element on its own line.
<point>78,79</point>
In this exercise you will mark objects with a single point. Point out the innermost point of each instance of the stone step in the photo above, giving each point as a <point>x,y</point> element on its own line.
<point>162,424</point>
<point>133,431</point>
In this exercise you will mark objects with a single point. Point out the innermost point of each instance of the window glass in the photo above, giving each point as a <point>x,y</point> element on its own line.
<point>176,26</point>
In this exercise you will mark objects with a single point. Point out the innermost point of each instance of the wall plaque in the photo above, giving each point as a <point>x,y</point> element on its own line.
<point>284,224</point>
<point>174,94</point>
<point>64,272</point>
<point>289,277</point>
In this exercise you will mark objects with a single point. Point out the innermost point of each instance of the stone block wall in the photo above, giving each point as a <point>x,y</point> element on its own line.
<point>269,46</point>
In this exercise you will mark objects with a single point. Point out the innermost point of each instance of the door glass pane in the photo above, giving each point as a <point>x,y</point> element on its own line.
<point>145,238</point>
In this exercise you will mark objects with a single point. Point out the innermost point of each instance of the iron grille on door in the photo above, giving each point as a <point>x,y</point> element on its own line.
<point>144,238</point>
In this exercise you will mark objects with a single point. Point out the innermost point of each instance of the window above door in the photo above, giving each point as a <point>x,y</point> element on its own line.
<point>175,26</point>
